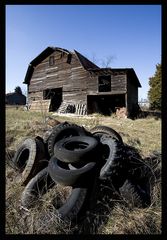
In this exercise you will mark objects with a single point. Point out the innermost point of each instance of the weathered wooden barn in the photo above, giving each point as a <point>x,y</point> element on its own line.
<point>15,99</point>
<point>66,81</point>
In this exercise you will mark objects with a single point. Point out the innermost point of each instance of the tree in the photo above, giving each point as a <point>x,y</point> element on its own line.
<point>105,62</point>
<point>18,90</point>
<point>154,93</point>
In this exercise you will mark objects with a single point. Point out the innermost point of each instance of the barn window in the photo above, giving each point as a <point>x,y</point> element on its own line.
<point>51,61</point>
<point>104,83</point>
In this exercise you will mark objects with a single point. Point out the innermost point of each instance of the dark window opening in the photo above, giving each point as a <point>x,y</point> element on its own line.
<point>51,61</point>
<point>55,95</point>
<point>104,83</point>
<point>69,57</point>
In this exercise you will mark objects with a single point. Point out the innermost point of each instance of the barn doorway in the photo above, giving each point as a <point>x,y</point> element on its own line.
<point>55,95</point>
<point>104,104</point>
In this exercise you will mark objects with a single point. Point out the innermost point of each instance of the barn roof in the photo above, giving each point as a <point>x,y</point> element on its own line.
<point>48,51</point>
<point>86,63</point>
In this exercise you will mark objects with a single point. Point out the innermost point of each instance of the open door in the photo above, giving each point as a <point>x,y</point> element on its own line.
<point>105,104</point>
<point>55,94</point>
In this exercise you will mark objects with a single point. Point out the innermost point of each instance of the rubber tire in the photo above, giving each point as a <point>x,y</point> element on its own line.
<point>47,134</point>
<point>63,152</point>
<point>134,195</point>
<point>29,158</point>
<point>62,174</point>
<point>77,202</point>
<point>62,131</point>
<point>37,186</point>
<point>104,130</point>
<point>115,165</point>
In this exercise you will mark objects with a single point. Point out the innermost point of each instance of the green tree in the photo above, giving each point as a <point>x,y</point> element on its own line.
<point>154,93</point>
<point>18,90</point>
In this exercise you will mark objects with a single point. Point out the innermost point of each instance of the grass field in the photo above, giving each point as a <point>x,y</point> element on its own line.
<point>142,134</point>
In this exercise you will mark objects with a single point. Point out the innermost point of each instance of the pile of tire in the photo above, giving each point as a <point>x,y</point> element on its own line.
<point>70,155</point>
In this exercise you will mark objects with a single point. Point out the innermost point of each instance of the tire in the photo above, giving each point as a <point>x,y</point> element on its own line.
<point>74,204</point>
<point>134,195</point>
<point>82,197</point>
<point>62,174</point>
<point>29,158</point>
<point>115,165</point>
<point>77,202</point>
<point>37,187</point>
<point>76,149</point>
<point>104,130</point>
<point>47,134</point>
<point>62,131</point>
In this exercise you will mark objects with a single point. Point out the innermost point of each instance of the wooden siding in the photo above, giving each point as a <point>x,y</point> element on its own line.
<point>40,106</point>
<point>35,96</point>
<point>118,84</point>
<point>46,77</point>
<point>76,86</point>
<point>71,77</point>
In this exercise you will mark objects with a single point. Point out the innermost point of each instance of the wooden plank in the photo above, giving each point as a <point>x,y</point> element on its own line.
<point>40,106</point>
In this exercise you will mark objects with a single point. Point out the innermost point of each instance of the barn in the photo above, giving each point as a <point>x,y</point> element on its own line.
<point>15,99</point>
<point>67,82</point>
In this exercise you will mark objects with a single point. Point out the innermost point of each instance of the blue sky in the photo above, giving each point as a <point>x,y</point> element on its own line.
<point>129,34</point>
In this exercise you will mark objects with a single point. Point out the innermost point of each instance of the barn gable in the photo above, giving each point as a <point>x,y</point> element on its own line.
<point>43,55</point>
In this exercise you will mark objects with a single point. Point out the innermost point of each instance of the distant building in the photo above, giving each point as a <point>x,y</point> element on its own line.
<point>15,99</point>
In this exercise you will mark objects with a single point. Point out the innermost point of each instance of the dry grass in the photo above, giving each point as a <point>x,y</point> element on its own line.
<point>114,216</point>
<point>136,221</point>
